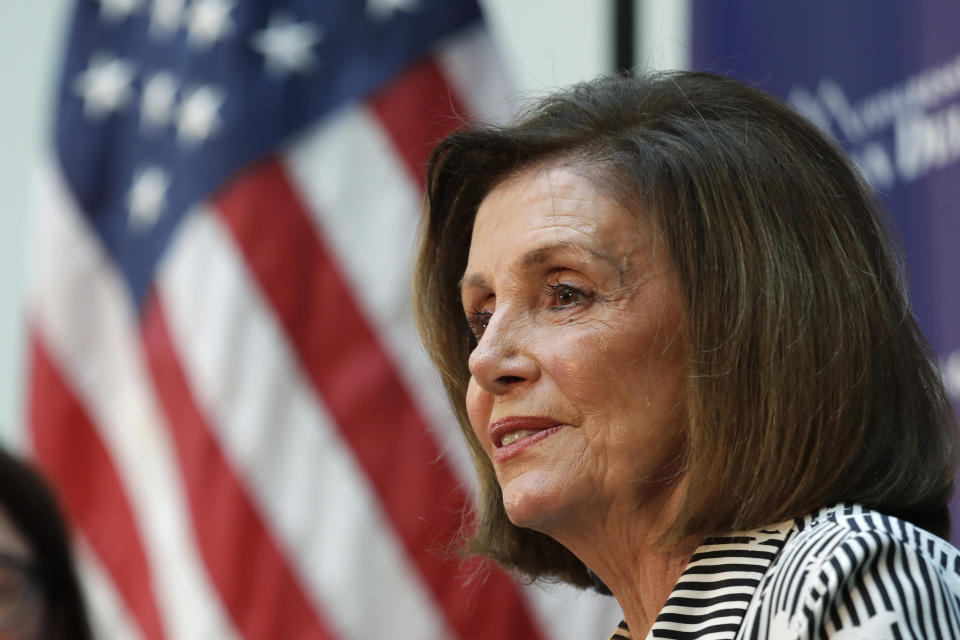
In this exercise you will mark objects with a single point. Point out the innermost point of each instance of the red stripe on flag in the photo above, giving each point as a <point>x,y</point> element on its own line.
<point>263,596</point>
<point>70,452</point>
<point>359,386</point>
<point>417,109</point>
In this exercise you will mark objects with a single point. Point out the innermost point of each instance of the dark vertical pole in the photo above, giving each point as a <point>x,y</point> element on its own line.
<point>623,35</point>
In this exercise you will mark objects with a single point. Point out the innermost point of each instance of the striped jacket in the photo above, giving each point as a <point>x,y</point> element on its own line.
<point>844,572</point>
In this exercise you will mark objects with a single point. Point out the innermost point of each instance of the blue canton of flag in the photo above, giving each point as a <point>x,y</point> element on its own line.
<point>160,104</point>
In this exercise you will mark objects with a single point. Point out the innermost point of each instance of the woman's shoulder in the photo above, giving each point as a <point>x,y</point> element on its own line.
<point>849,522</point>
<point>847,569</point>
<point>847,539</point>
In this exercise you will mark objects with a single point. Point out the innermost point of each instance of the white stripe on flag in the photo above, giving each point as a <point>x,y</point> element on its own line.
<point>85,316</point>
<point>568,613</point>
<point>282,443</point>
<point>369,219</point>
<point>108,615</point>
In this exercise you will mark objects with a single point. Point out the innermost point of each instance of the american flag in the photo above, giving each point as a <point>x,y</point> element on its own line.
<point>224,382</point>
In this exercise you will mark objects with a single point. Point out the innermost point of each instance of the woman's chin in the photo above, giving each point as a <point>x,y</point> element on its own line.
<point>537,500</point>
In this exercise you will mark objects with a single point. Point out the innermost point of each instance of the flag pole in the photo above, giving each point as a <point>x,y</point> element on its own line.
<point>624,20</point>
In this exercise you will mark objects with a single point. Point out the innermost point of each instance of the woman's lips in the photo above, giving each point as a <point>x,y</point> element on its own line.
<point>512,435</point>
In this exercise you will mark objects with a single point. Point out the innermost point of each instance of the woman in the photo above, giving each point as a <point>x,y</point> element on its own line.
<point>676,338</point>
<point>40,597</point>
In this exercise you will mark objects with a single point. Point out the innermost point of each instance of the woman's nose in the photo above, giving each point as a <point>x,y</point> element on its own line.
<point>503,359</point>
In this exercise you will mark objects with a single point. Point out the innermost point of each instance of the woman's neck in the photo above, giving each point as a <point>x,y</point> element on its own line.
<point>625,547</point>
<point>643,586</point>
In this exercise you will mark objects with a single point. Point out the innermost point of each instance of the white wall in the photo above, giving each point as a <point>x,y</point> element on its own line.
<point>545,43</point>
<point>663,34</point>
<point>551,43</point>
<point>30,36</point>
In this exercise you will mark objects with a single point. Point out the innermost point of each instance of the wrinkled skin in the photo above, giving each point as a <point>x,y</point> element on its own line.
<point>578,318</point>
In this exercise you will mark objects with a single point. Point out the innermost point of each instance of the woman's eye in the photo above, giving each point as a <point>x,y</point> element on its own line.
<point>563,296</point>
<point>478,321</point>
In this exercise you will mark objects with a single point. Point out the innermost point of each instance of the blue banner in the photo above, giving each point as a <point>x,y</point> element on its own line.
<point>883,78</point>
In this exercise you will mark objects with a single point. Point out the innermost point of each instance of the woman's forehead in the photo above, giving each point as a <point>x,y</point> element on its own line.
<point>555,217</point>
<point>556,204</point>
<point>565,185</point>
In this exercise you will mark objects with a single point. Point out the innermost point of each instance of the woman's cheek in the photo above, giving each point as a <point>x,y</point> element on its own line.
<point>578,364</point>
<point>479,406</point>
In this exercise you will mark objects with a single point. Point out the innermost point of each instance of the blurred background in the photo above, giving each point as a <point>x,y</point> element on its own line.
<point>543,44</point>
<point>244,490</point>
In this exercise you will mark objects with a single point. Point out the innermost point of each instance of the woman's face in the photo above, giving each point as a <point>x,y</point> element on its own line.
<point>577,382</point>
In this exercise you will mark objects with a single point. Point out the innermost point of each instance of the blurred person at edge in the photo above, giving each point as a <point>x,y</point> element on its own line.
<point>40,597</point>
<point>675,333</point>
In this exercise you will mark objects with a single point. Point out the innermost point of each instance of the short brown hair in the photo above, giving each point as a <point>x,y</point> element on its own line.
<point>809,381</point>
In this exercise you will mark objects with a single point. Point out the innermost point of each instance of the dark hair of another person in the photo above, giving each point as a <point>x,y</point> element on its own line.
<point>808,381</point>
<point>33,510</point>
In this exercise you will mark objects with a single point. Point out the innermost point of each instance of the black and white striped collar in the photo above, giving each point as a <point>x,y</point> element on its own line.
<point>712,595</point>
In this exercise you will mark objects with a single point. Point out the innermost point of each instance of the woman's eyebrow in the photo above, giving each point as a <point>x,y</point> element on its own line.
<point>543,254</point>
<point>540,255</point>
<point>472,281</point>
